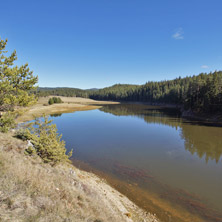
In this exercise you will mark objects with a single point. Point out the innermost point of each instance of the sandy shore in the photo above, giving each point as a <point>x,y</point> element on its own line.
<point>70,104</point>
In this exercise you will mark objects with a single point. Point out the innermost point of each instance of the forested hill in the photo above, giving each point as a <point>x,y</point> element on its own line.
<point>201,93</point>
<point>116,92</point>
<point>64,91</point>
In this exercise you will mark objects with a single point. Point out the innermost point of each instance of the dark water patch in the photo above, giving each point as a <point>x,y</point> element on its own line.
<point>56,115</point>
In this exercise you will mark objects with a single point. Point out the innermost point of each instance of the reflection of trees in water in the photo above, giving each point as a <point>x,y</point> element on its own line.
<point>150,114</point>
<point>203,140</point>
<point>200,139</point>
<point>56,115</point>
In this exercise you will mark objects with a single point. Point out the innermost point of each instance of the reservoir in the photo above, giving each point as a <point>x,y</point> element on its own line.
<point>167,165</point>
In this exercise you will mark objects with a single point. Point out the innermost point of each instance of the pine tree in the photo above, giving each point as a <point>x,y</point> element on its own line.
<point>15,82</point>
<point>46,141</point>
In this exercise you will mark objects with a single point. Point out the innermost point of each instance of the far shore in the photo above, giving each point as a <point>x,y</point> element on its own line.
<point>73,104</point>
<point>69,105</point>
<point>206,118</point>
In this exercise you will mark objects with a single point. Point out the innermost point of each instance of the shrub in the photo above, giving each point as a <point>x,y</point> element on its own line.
<point>7,121</point>
<point>51,101</point>
<point>46,142</point>
<point>54,100</point>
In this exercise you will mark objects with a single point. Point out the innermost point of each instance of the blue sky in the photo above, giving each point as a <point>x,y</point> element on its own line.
<point>97,43</point>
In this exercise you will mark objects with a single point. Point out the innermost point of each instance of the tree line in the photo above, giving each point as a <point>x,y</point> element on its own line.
<point>63,91</point>
<point>201,93</point>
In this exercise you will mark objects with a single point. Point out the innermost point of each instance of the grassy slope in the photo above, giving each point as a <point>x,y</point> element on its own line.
<point>33,191</point>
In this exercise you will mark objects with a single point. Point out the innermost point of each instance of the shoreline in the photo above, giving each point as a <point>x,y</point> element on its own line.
<point>69,105</point>
<point>187,115</point>
<point>32,190</point>
<point>72,104</point>
<point>157,205</point>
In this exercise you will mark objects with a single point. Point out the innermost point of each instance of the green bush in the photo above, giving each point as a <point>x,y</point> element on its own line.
<point>7,121</point>
<point>46,142</point>
<point>54,100</point>
<point>51,101</point>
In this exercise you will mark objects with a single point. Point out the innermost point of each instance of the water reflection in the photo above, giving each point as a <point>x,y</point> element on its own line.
<point>204,141</point>
<point>200,138</point>
<point>56,115</point>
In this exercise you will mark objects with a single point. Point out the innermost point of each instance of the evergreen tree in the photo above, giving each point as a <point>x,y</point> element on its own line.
<point>15,82</point>
<point>46,141</point>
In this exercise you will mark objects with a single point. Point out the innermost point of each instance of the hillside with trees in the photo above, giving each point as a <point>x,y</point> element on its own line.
<point>121,92</point>
<point>63,91</point>
<point>202,93</point>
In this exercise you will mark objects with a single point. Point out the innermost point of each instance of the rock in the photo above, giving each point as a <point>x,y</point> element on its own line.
<point>29,144</point>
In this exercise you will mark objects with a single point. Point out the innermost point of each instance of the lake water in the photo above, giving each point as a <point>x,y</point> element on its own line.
<point>166,164</point>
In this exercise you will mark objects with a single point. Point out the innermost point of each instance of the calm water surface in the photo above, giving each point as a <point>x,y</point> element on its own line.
<point>175,161</point>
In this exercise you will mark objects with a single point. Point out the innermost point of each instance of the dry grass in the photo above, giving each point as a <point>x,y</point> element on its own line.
<point>71,104</point>
<point>33,191</point>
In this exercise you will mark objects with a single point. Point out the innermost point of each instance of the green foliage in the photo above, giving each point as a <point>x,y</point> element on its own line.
<point>46,142</point>
<point>51,101</point>
<point>7,121</point>
<point>55,100</point>
<point>30,151</point>
<point>16,84</point>
<point>119,92</point>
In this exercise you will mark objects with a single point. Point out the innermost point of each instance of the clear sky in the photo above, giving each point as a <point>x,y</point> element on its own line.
<point>97,43</point>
